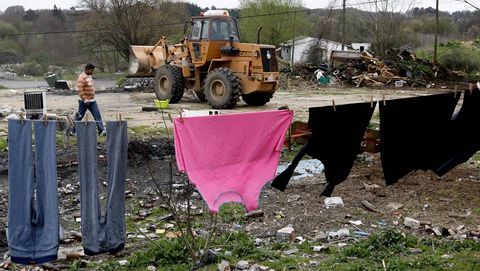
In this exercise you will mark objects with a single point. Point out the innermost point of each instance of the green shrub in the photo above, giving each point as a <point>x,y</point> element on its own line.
<point>31,68</point>
<point>121,81</point>
<point>460,58</point>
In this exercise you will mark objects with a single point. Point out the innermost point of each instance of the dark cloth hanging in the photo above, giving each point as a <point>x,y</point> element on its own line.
<point>337,133</point>
<point>414,133</point>
<point>464,135</point>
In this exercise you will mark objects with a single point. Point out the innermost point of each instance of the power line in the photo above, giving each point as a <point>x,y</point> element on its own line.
<point>82,31</point>
<point>183,22</point>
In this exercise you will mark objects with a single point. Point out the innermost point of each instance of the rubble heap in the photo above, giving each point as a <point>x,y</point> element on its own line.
<point>398,67</point>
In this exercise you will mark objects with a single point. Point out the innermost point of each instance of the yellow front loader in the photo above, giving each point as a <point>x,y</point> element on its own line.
<point>212,62</point>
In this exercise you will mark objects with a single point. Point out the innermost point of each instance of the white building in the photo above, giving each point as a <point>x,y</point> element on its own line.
<point>361,46</point>
<point>308,49</point>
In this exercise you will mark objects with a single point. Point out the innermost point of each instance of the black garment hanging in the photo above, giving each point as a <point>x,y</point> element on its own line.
<point>413,133</point>
<point>337,133</point>
<point>464,135</point>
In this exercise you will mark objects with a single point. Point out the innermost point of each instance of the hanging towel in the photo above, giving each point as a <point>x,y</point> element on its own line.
<point>414,133</point>
<point>464,136</point>
<point>229,158</point>
<point>33,222</point>
<point>102,233</point>
<point>335,140</point>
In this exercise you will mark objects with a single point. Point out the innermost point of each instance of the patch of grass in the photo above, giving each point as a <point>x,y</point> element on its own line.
<point>390,248</point>
<point>289,154</point>
<point>145,131</point>
<point>166,254</point>
<point>121,81</point>
<point>3,87</point>
<point>243,248</point>
<point>3,144</point>
<point>393,249</point>
<point>232,212</point>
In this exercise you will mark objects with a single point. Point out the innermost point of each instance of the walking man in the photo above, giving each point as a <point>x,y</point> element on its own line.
<point>86,94</point>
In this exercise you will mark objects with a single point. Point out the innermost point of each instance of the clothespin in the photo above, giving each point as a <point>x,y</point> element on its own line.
<point>384,101</point>
<point>22,118</point>
<point>371,101</point>
<point>455,89</point>
<point>119,119</point>
<point>334,107</point>
<point>45,120</point>
<point>470,87</point>
<point>170,117</point>
<point>86,120</point>
<point>181,117</point>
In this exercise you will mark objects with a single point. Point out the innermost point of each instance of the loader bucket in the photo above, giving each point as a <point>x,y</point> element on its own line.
<point>142,62</point>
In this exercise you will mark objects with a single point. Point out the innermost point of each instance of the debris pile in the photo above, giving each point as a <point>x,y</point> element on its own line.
<point>398,67</point>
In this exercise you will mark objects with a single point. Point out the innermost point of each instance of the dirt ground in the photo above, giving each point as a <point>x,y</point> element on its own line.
<point>446,202</point>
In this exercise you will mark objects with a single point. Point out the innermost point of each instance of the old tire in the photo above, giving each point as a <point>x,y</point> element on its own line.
<point>257,98</point>
<point>169,83</point>
<point>222,88</point>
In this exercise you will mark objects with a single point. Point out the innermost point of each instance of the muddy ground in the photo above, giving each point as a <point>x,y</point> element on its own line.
<point>447,202</point>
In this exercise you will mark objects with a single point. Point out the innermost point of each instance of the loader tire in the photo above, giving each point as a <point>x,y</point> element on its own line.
<point>257,98</point>
<point>200,95</point>
<point>169,83</point>
<point>222,88</point>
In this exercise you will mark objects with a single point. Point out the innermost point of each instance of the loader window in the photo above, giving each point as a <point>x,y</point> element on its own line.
<point>197,26</point>
<point>206,29</point>
<point>223,29</point>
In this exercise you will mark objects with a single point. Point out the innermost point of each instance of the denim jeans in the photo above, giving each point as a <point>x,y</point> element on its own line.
<point>33,219</point>
<point>102,233</point>
<point>93,108</point>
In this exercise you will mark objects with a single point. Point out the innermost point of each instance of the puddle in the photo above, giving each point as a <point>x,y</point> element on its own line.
<point>305,168</point>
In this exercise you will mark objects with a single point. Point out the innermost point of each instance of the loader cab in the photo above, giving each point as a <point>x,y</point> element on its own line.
<point>210,32</point>
<point>214,25</point>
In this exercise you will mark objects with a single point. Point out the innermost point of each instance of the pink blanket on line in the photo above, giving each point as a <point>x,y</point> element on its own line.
<point>229,158</point>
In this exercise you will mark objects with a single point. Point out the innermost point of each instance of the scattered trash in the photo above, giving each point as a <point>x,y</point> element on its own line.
<point>255,214</point>
<point>287,233</point>
<point>320,237</point>
<point>394,206</point>
<point>369,206</point>
<point>224,265</point>
<point>320,248</point>
<point>305,168</point>
<point>356,222</point>
<point>361,233</point>
<point>447,256</point>
<point>370,187</point>
<point>411,223</point>
<point>340,234</point>
<point>242,265</point>
<point>437,231</point>
<point>333,202</point>
<point>290,251</point>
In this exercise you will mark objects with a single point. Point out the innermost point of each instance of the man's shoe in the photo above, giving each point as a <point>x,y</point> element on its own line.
<point>72,133</point>
<point>103,133</point>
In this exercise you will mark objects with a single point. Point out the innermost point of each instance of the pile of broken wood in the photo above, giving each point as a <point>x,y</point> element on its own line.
<point>399,68</point>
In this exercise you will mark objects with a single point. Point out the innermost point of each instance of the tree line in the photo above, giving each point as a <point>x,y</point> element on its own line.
<point>102,31</point>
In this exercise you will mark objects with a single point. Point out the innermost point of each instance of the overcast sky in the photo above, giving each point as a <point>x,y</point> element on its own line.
<point>445,5</point>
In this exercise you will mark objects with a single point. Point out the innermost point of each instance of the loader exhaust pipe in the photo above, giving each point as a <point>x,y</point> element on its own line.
<point>258,34</point>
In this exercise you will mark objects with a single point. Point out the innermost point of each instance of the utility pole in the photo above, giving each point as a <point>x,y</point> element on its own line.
<point>343,25</point>
<point>436,37</point>
<point>293,36</point>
